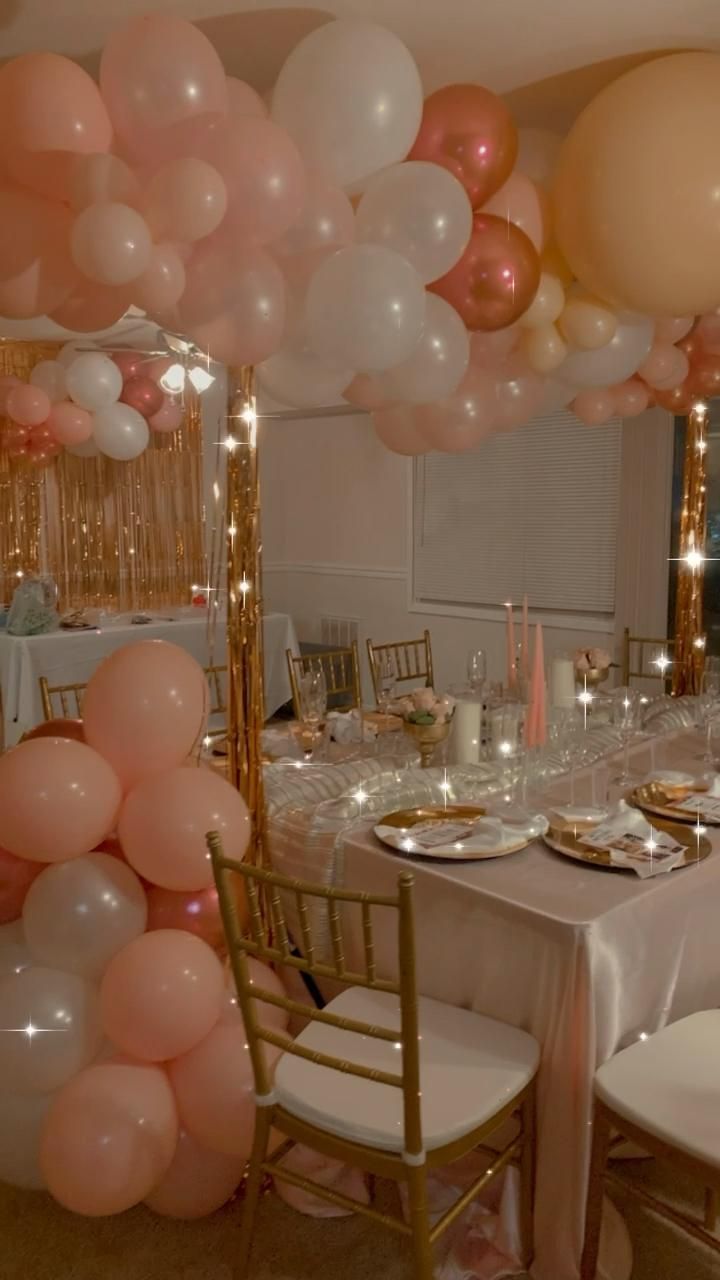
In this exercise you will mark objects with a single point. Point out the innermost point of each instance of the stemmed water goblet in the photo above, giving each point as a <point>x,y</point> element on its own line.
<point>312,688</point>
<point>708,705</point>
<point>477,670</point>
<point>626,711</point>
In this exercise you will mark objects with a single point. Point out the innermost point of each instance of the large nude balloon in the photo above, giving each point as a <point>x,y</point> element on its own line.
<point>636,189</point>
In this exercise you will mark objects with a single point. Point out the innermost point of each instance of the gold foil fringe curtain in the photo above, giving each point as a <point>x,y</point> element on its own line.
<point>117,535</point>
<point>689,657</point>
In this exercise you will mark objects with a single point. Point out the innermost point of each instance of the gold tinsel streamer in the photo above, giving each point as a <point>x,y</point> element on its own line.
<point>244,604</point>
<point>689,656</point>
<point>121,535</point>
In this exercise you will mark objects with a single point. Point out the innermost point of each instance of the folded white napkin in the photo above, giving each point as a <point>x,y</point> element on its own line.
<point>349,726</point>
<point>635,843</point>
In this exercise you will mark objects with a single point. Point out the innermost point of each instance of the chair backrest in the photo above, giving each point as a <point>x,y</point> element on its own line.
<point>61,701</point>
<point>412,660</point>
<point>341,669</point>
<point>217,681</point>
<point>640,658</point>
<point>267,938</point>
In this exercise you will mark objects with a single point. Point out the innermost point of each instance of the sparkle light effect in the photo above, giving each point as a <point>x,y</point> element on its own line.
<point>662,662</point>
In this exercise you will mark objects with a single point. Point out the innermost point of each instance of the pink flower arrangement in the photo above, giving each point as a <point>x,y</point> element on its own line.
<point>424,706</point>
<point>591,659</point>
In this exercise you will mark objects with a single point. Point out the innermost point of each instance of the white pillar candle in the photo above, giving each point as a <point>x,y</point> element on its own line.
<point>466,731</point>
<point>562,682</point>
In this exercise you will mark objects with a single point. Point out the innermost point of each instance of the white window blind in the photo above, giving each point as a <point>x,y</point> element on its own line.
<point>534,510</point>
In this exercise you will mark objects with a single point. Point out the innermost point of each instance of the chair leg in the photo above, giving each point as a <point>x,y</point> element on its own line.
<point>602,1131</point>
<point>712,1208</point>
<point>263,1117</point>
<point>420,1221</point>
<point>528,1117</point>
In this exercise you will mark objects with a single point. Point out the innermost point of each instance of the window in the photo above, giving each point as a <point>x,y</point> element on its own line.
<point>533,511</point>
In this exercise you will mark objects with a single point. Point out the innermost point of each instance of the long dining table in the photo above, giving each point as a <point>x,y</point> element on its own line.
<point>586,959</point>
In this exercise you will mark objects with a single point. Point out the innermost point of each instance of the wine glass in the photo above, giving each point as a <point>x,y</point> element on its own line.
<point>312,688</point>
<point>708,703</point>
<point>626,708</point>
<point>477,669</point>
<point>385,682</point>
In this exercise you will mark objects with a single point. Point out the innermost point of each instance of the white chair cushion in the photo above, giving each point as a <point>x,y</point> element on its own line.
<point>470,1067</point>
<point>669,1085</point>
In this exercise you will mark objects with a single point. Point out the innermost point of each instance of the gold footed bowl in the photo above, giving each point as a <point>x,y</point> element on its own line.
<point>594,676</point>
<point>427,737</point>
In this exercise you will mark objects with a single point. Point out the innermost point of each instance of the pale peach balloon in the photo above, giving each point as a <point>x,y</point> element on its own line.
<point>665,367</point>
<point>397,428</point>
<point>243,99</point>
<point>594,407</point>
<point>215,1091</point>
<point>520,201</point>
<point>161,994</point>
<point>547,305</point>
<point>631,398</point>
<point>145,708</point>
<point>111,243</point>
<point>366,391</point>
<point>197,1183</point>
<point>58,799</point>
<point>186,200</point>
<point>162,283</point>
<point>98,178</point>
<point>544,348</point>
<point>36,274</point>
<point>92,307</point>
<point>587,324</point>
<point>673,328</point>
<point>110,1138</point>
<point>49,103</point>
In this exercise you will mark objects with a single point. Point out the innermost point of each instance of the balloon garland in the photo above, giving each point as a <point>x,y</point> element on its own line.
<point>88,402</point>
<point>349,251</point>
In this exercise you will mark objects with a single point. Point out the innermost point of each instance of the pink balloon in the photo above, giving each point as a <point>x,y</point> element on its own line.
<point>58,799</point>
<point>7,382</point>
<point>672,329</point>
<point>708,331</point>
<point>168,417</point>
<point>48,103</point>
<point>145,708</point>
<point>16,876</point>
<point>162,283</point>
<point>130,363</point>
<point>519,393</point>
<point>110,1138</point>
<point>366,391</point>
<point>595,407</point>
<point>243,100</point>
<point>165,820</point>
<point>91,307</point>
<point>666,366</point>
<point>69,424</point>
<point>521,202</point>
<point>142,394</point>
<point>186,200</point>
<point>264,175</point>
<point>197,911</point>
<point>250,327</point>
<point>36,274</point>
<point>465,418</point>
<point>157,72</point>
<point>111,243</point>
<point>489,350</point>
<point>161,995</point>
<point>28,405</point>
<point>197,1183</point>
<point>268,1015</point>
<point>95,179</point>
<point>14,436</point>
<point>631,398</point>
<point>397,428</point>
<point>327,221</point>
<point>214,1090</point>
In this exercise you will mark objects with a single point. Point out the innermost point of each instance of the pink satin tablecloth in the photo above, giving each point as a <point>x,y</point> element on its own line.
<point>585,959</point>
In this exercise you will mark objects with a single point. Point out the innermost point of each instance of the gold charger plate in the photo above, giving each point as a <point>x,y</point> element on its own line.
<point>565,842</point>
<point>403,820</point>
<point>653,797</point>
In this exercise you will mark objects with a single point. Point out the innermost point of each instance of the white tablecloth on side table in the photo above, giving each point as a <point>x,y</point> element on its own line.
<point>70,657</point>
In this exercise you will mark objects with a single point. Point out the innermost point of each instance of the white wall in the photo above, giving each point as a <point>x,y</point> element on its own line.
<point>336,541</point>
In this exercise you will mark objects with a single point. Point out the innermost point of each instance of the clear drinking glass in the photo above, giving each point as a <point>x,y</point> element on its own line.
<point>313,709</point>
<point>626,706</point>
<point>477,669</point>
<point>506,745</point>
<point>566,739</point>
<point>708,703</point>
<point>385,682</point>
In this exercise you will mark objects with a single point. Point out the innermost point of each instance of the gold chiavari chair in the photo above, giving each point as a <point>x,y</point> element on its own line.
<point>341,669</point>
<point>662,1094</point>
<point>637,664</point>
<point>61,701</point>
<point>379,1079</point>
<point>412,660</point>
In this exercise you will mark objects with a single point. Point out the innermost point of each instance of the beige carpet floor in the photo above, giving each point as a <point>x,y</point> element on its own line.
<point>40,1241</point>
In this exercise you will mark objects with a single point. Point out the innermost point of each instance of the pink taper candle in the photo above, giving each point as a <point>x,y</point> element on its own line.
<point>511,667</point>
<point>525,641</point>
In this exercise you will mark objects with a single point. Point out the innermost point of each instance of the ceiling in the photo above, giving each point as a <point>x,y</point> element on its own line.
<point>507,45</point>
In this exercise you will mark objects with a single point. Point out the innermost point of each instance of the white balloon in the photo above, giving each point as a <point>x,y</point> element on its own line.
<point>297,377</point>
<point>93,380</point>
<point>420,210</point>
<point>78,914</point>
<point>617,360</point>
<point>22,1116</point>
<point>327,221</point>
<point>14,953</point>
<point>538,151</point>
<point>439,362</point>
<point>72,349</point>
<point>120,432</point>
<point>351,97</point>
<point>365,308</point>
<point>50,376</point>
<point>58,1017</point>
